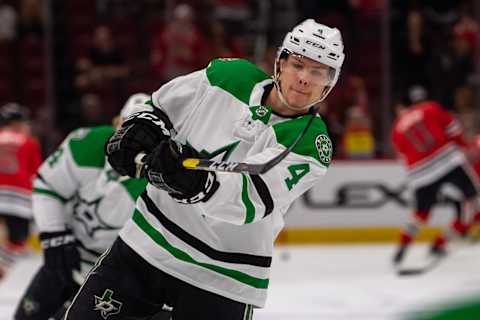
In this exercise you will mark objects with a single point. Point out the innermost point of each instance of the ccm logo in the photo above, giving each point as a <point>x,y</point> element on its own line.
<point>315,44</point>
<point>57,241</point>
<point>224,166</point>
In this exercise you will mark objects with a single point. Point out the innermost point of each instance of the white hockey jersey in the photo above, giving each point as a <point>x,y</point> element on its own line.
<point>225,245</point>
<point>76,187</point>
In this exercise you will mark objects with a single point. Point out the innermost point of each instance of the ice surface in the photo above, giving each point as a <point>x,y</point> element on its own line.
<point>332,282</point>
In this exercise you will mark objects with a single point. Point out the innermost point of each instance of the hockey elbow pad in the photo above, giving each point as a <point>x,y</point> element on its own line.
<point>141,132</point>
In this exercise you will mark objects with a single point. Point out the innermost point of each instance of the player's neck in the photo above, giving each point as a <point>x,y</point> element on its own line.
<point>273,100</point>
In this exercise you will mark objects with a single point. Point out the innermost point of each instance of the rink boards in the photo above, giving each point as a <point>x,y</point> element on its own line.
<point>358,201</point>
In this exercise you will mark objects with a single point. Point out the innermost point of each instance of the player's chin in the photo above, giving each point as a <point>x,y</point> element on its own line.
<point>299,103</point>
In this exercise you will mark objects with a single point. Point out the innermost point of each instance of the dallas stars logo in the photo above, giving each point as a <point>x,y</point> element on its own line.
<point>107,305</point>
<point>86,212</point>
<point>261,111</point>
<point>324,147</point>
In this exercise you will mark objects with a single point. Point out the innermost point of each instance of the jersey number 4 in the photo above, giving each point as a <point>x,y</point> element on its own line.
<point>297,171</point>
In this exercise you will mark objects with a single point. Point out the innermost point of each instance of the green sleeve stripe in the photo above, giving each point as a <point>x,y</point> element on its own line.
<point>250,209</point>
<point>134,187</point>
<point>236,76</point>
<point>87,146</point>
<point>50,193</point>
<point>159,239</point>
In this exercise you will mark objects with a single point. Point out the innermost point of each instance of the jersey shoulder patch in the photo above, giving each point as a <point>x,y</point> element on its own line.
<point>236,76</point>
<point>315,143</point>
<point>87,145</point>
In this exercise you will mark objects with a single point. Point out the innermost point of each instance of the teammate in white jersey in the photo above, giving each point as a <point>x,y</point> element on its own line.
<point>202,241</point>
<point>80,203</point>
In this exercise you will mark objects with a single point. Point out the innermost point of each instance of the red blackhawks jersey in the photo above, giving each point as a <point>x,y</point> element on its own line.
<point>20,158</point>
<point>429,139</point>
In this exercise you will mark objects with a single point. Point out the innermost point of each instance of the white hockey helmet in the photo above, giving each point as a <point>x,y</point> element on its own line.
<point>135,103</point>
<point>317,42</point>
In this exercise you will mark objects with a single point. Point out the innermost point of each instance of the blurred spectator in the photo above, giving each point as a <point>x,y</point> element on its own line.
<point>465,111</point>
<point>466,27</point>
<point>92,113</point>
<point>233,14</point>
<point>418,48</point>
<point>221,45</point>
<point>367,5</point>
<point>180,47</point>
<point>451,69</point>
<point>104,61</point>
<point>8,22</point>
<point>20,157</point>
<point>358,141</point>
<point>31,17</point>
<point>107,9</point>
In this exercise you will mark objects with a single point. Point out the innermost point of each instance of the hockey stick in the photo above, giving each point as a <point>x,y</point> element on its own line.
<point>231,166</point>
<point>415,271</point>
<point>454,246</point>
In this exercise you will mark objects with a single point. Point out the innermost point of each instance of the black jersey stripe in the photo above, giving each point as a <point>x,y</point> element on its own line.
<point>264,193</point>
<point>229,257</point>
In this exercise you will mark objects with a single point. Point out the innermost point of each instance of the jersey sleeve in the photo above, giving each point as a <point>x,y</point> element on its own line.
<point>243,199</point>
<point>177,97</point>
<point>453,127</point>
<point>74,163</point>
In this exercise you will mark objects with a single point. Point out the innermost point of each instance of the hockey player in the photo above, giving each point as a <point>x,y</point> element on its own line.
<point>202,241</point>
<point>431,140</point>
<point>20,156</point>
<point>80,203</point>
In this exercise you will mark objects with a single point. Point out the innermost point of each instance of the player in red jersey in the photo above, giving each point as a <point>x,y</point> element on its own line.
<point>20,156</point>
<point>431,142</point>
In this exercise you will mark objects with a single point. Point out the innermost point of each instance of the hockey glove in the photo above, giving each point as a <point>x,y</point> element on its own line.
<point>163,169</point>
<point>60,253</point>
<point>141,132</point>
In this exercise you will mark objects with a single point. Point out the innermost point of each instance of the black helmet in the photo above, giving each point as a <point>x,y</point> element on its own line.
<point>13,112</point>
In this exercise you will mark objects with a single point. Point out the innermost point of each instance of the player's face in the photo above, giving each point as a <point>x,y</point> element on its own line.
<point>303,80</point>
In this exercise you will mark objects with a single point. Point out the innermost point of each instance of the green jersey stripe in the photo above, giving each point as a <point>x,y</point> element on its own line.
<point>236,76</point>
<point>87,146</point>
<point>50,193</point>
<point>134,187</point>
<point>249,207</point>
<point>158,238</point>
<point>199,245</point>
<point>315,143</point>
